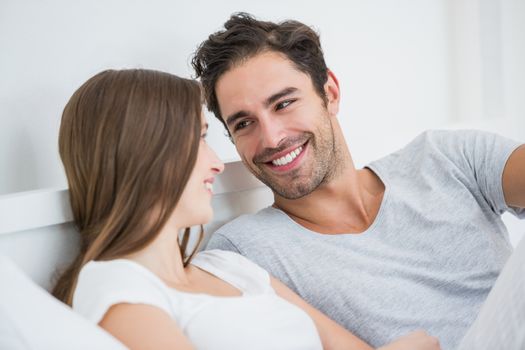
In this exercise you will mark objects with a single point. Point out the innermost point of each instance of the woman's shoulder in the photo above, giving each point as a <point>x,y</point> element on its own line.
<point>102,284</point>
<point>226,259</point>
<point>234,269</point>
<point>117,273</point>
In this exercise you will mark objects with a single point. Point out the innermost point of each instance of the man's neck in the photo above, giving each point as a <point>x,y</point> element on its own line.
<point>349,203</point>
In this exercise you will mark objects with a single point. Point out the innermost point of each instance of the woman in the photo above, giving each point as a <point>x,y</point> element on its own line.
<point>139,172</point>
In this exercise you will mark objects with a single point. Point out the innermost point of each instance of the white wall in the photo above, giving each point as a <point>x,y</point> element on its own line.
<point>404,66</point>
<point>513,59</point>
<point>391,59</point>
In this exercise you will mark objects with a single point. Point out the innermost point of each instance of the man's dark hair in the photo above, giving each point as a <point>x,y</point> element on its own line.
<point>244,37</point>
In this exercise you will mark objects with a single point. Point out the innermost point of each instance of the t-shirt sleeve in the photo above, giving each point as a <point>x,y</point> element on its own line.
<point>220,241</point>
<point>247,268</point>
<point>235,269</point>
<point>101,285</point>
<point>482,156</point>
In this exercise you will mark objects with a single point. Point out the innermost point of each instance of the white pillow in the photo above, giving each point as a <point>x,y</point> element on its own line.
<point>30,318</point>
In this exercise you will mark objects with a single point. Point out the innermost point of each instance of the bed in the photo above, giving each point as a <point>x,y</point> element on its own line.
<point>37,237</point>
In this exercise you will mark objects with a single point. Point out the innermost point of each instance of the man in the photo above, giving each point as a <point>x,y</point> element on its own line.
<point>412,241</point>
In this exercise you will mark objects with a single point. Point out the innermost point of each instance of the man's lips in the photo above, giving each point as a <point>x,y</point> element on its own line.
<point>269,158</point>
<point>287,161</point>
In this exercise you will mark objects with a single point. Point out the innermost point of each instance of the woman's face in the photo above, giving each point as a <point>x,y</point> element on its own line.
<point>194,207</point>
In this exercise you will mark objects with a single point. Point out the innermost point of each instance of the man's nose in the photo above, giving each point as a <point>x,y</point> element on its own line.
<point>272,132</point>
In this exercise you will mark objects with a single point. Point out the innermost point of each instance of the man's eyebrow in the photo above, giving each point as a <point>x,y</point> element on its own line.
<point>270,100</point>
<point>284,92</point>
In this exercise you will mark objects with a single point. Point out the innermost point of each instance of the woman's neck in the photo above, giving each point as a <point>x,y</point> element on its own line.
<point>163,257</point>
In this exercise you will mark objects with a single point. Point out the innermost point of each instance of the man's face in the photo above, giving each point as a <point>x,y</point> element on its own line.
<point>280,126</point>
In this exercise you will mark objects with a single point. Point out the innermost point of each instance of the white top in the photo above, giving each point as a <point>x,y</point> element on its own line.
<point>259,319</point>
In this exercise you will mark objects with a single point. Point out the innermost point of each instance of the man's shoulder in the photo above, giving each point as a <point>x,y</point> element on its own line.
<point>247,223</point>
<point>435,139</point>
<point>247,230</point>
<point>429,150</point>
<point>431,142</point>
<point>452,138</point>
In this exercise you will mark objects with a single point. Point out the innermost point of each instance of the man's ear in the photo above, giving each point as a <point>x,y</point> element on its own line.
<point>332,92</point>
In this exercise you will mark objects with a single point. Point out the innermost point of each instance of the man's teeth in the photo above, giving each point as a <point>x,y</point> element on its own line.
<point>209,186</point>
<point>287,158</point>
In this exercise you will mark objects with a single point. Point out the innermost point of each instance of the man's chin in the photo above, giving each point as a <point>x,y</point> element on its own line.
<point>289,186</point>
<point>286,191</point>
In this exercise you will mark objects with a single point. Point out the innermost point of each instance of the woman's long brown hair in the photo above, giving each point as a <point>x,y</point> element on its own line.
<point>128,141</point>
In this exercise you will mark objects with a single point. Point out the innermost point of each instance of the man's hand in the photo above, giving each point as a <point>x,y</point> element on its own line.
<point>418,340</point>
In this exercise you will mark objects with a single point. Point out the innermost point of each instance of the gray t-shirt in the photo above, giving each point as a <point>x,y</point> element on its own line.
<point>428,260</point>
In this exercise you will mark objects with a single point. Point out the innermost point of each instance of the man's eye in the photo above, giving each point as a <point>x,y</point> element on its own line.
<point>283,104</point>
<point>241,125</point>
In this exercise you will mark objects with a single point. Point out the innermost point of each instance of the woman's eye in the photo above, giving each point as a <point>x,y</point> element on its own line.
<point>203,136</point>
<point>284,104</point>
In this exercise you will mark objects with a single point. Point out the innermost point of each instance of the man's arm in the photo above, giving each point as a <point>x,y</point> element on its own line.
<point>335,337</point>
<point>514,178</point>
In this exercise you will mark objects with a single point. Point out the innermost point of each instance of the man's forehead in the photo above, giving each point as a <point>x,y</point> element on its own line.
<point>257,79</point>
<point>260,67</point>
